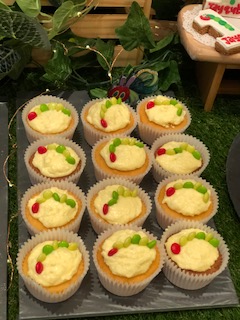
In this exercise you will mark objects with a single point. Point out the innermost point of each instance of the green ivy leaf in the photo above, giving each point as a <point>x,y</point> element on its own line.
<point>169,75</point>
<point>8,57</point>
<point>25,57</point>
<point>107,50</point>
<point>58,68</point>
<point>30,8</point>
<point>63,15</point>
<point>136,31</point>
<point>163,43</point>
<point>16,25</point>
<point>98,93</point>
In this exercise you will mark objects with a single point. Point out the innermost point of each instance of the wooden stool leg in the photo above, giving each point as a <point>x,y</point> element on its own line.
<point>209,75</point>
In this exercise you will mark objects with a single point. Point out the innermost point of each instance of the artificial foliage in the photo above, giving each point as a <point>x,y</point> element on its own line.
<point>25,27</point>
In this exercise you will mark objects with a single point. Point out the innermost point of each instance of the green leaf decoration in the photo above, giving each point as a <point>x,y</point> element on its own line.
<point>65,15</point>
<point>30,8</point>
<point>107,50</point>
<point>8,57</point>
<point>136,31</point>
<point>4,6</point>
<point>56,3</point>
<point>58,68</point>
<point>25,56</point>
<point>169,76</point>
<point>163,43</point>
<point>16,25</point>
<point>98,93</point>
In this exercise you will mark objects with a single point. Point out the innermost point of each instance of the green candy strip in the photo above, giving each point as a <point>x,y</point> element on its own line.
<point>108,103</point>
<point>47,194</point>
<point>52,106</point>
<point>197,186</point>
<point>49,248</point>
<point>135,239</point>
<point>62,150</point>
<point>196,154</point>
<point>201,236</point>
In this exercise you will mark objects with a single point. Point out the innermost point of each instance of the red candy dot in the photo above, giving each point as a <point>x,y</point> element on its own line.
<point>112,252</point>
<point>104,123</point>
<point>170,191</point>
<point>113,157</point>
<point>32,115</point>
<point>35,207</point>
<point>105,208</point>
<point>161,151</point>
<point>39,267</point>
<point>204,17</point>
<point>150,104</point>
<point>42,149</point>
<point>175,248</point>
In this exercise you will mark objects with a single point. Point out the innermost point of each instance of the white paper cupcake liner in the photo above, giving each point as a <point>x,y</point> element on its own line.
<point>181,278</point>
<point>159,173</point>
<point>33,135</point>
<point>114,286</point>
<point>32,148</point>
<point>149,134</point>
<point>100,174</point>
<point>34,288</point>
<point>98,224</point>
<point>92,135</point>
<point>164,219</point>
<point>63,185</point>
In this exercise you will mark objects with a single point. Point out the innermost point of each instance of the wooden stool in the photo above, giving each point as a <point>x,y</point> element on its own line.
<point>210,65</point>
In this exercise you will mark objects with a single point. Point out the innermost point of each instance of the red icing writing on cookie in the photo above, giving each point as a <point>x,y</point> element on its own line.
<point>226,34</point>
<point>227,8</point>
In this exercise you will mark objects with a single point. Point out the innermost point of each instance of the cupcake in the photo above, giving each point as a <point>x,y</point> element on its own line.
<point>195,254</point>
<point>52,159</point>
<point>124,157</point>
<point>43,264</point>
<point>158,115</point>
<point>127,259</point>
<point>180,154</point>
<point>181,198</point>
<point>49,116</point>
<point>106,118</point>
<point>116,201</point>
<point>56,204</point>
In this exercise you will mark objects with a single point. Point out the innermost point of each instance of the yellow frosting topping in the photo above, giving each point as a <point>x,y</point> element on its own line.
<point>53,164</point>
<point>131,261</point>
<point>196,255</point>
<point>187,201</point>
<point>128,157</point>
<point>180,163</point>
<point>56,266</point>
<point>116,117</point>
<point>52,213</point>
<point>125,210</point>
<point>164,114</point>
<point>51,121</point>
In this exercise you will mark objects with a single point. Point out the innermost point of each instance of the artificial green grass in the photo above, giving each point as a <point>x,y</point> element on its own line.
<point>216,130</point>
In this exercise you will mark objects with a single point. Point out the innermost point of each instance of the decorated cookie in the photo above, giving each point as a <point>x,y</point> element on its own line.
<point>226,8</point>
<point>226,34</point>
